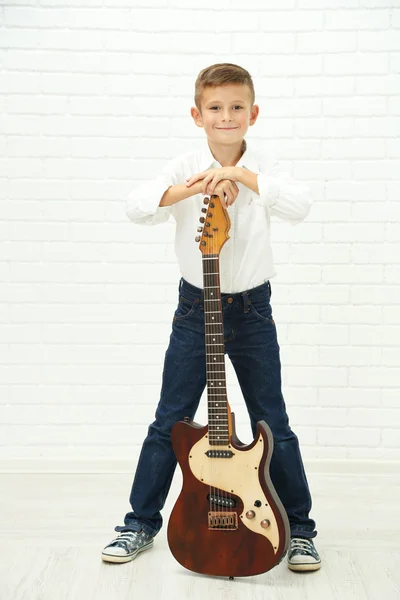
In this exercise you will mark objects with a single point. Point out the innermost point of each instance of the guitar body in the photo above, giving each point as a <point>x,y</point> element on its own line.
<point>242,550</point>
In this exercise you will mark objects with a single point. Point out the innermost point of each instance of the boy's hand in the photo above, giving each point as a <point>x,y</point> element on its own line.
<point>226,190</point>
<point>212,177</point>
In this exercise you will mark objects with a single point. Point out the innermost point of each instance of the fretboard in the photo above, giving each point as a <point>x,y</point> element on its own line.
<point>218,428</point>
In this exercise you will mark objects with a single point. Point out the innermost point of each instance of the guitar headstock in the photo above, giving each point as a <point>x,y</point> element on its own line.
<point>216,224</point>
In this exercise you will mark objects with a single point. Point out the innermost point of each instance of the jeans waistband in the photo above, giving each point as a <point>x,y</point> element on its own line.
<point>195,294</point>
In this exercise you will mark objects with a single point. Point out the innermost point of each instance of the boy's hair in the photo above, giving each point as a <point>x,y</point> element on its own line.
<point>222,74</point>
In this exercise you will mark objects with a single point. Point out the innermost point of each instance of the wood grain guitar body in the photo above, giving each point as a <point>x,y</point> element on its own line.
<point>248,534</point>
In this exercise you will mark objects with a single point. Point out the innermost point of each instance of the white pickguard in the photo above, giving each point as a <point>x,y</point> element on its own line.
<point>237,475</point>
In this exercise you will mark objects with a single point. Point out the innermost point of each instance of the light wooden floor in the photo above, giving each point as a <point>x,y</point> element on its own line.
<point>54,526</point>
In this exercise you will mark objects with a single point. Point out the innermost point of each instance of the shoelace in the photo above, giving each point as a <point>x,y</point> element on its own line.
<point>304,546</point>
<point>125,538</point>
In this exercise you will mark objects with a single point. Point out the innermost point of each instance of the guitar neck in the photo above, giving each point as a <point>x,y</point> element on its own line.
<point>218,407</point>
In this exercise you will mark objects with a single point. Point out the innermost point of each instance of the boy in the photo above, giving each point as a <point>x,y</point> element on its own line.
<point>252,188</point>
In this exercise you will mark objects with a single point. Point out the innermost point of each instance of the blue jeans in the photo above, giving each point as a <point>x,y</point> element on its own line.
<point>252,346</point>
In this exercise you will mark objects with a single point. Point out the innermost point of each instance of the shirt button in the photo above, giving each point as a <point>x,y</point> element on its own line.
<point>230,300</point>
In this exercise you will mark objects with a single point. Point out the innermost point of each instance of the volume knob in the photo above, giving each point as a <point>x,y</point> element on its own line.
<point>250,514</point>
<point>265,523</point>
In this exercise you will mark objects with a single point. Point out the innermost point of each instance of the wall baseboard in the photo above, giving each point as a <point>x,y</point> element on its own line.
<point>104,466</point>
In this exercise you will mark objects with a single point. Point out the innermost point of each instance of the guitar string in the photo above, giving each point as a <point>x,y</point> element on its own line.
<point>208,373</point>
<point>222,396</point>
<point>215,328</point>
<point>211,292</point>
<point>220,399</point>
<point>216,399</point>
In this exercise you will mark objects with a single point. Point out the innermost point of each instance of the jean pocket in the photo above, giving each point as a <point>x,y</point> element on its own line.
<point>262,310</point>
<point>185,308</point>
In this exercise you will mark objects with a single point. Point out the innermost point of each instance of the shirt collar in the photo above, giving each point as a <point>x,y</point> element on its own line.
<point>248,159</point>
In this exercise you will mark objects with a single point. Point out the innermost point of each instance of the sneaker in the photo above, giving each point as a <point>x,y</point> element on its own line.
<point>303,555</point>
<point>127,546</point>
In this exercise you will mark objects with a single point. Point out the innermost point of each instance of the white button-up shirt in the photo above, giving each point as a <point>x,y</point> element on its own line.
<point>246,258</point>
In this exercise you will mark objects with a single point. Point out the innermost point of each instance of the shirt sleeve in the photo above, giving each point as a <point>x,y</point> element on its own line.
<point>286,198</point>
<point>142,204</point>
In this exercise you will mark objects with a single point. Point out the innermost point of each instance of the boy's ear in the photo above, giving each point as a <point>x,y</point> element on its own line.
<point>196,116</point>
<point>254,114</point>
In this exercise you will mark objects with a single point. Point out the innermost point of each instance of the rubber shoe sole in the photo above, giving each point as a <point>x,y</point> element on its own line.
<point>117,558</point>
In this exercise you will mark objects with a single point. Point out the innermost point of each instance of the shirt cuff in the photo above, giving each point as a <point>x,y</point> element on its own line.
<point>142,204</point>
<point>268,190</point>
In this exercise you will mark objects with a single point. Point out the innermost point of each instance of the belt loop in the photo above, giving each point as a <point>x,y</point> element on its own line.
<point>270,289</point>
<point>245,297</point>
<point>180,283</point>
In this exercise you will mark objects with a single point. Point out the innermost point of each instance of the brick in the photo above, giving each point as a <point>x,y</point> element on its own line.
<point>349,397</point>
<point>317,334</point>
<point>375,335</point>
<point>351,314</point>
<point>349,437</point>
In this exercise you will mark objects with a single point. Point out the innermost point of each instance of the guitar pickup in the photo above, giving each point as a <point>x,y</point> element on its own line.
<point>219,453</point>
<point>226,501</point>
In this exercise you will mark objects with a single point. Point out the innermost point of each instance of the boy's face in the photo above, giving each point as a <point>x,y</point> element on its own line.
<point>226,113</point>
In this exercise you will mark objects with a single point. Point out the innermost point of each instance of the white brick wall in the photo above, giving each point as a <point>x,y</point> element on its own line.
<point>95,96</point>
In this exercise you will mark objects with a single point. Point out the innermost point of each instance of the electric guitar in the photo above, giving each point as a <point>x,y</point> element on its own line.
<point>228,519</point>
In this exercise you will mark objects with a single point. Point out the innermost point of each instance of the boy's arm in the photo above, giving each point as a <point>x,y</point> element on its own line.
<point>179,192</point>
<point>286,198</point>
<point>150,202</point>
<point>277,190</point>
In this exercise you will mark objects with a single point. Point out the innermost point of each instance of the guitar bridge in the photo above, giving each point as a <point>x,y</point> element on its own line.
<point>222,520</point>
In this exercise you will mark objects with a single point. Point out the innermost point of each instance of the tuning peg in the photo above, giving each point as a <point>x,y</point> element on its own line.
<point>204,210</point>
<point>206,200</point>
<point>202,219</point>
<point>199,229</point>
<point>197,238</point>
